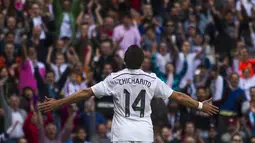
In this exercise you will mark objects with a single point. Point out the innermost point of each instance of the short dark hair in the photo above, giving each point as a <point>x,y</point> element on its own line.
<point>134,57</point>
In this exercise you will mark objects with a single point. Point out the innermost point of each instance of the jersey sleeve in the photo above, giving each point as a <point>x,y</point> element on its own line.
<point>104,88</point>
<point>162,90</point>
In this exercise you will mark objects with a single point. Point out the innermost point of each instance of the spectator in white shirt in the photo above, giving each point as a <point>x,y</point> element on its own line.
<point>14,115</point>
<point>72,85</point>
<point>163,57</point>
<point>247,4</point>
<point>37,20</point>
<point>216,84</point>
<point>247,82</point>
<point>60,66</point>
<point>190,57</point>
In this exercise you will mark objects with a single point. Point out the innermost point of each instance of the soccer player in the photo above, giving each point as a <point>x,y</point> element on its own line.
<point>132,90</point>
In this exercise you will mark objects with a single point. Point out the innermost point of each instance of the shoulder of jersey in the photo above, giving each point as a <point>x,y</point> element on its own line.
<point>151,74</point>
<point>114,74</point>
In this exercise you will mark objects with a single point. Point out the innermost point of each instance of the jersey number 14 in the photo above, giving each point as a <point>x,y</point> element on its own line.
<point>139,98</point>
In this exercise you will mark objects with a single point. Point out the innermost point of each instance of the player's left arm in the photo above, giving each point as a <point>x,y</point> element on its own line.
<point>103,88</point>
<point>163,91</point>
<point>187,101</point>
<point>53,104</point>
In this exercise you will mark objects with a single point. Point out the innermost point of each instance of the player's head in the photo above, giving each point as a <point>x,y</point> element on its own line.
<point>134,57</point>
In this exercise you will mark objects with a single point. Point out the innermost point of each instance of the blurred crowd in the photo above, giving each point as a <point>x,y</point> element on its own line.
<point>53,48</point>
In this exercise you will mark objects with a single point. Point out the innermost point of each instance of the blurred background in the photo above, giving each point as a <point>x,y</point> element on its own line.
<point>53,48</point>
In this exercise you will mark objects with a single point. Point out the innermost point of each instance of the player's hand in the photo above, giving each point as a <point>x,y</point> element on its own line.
<point>50,105</point>
<point>209,108</point>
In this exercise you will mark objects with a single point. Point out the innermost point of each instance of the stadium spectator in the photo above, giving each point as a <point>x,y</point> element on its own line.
<point>83,46</point>
<point>237,138</point>
<point>247,82</point>
<point>59,67</point>
<point>29,61</point>
<point>66,111</point>
<point>189,139</point>
<point>22,140</point>
<point>48,133</point>
<point>28,98</point>
<point>252,139</point>
<point>2,120</point>
<point>125,35</point>
<point>101,134</point>
<point>80,136</point>
<point>89,118</point>
<point>202,121</point>
<point>234,98</point>
<point>30,126</point>
<point>245,62</point>
<point>14,115</point>
<point>108,128</point>
<point>168,136</point>
<point>72,84</point>
<point>190,131</point>
<point>66,12</point>
<point>212,135</point>
<point>217,85</point>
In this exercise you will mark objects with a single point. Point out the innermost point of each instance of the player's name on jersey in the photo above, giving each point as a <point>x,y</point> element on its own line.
<point>141,81</point>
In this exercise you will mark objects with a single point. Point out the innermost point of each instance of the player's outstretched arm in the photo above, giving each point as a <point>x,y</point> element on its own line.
<point>53,104</point>
<point>187,101</point>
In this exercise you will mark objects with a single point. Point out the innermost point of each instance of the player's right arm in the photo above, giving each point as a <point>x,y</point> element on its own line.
<point>163,91</point>
<point>187,101</point>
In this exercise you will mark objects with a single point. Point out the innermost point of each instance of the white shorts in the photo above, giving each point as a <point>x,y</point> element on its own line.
<point>131,142</point>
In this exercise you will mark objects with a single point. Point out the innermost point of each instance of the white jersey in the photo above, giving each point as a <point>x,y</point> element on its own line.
<point>132,91</point>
